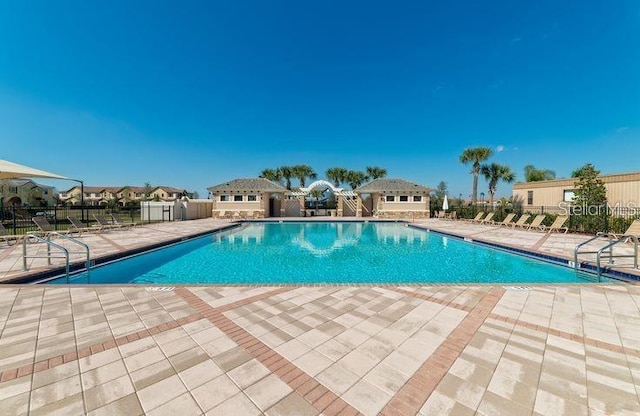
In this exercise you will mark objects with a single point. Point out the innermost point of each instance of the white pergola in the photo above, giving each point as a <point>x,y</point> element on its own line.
<point>323,184</point>
<point>340,193</point>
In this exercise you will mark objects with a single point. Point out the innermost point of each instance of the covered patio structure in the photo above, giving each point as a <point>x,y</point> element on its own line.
<point>392,199</point>
<point>248,198</point>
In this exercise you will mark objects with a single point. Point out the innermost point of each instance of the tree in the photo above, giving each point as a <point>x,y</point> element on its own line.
<point>585,170</point>
<point>337,175</point>
<point>195,195</point>
<point>590,189</point>
<point>590,196</point>
<point>302,172</point>
<point>274,175</point>
<point>355,178</point>
<point>531,174</point>
<point>146,191</point>
<point>441,190</point>
<point>317,194</point>
<point>474,156</point>
<point>494,173</point>
<point>287,174</point>
<point>375,172</point>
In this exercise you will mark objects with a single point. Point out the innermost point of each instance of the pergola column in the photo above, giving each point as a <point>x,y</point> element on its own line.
<point>283,206</point>
<point>339,205</point>
<point>301,201</point>
<point>358,206</point>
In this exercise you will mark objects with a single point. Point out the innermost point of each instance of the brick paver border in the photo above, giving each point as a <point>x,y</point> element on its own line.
<point>319,396</point>
<point>412,396</point>
<point>95,348</point>
<point>567,335</point>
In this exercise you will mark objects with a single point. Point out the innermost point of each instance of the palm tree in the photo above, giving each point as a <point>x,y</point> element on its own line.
<point>374,172</point>
<point>317,194</point>
<point>337,175</point>
<point>475,156</point>
<point>287,174</point>
<point>302,172</point>
<point>495,173</point>
<point>355,178</point>
<point>273,175</point>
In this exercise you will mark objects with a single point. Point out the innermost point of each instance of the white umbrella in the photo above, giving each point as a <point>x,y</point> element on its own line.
<point>445,203</point>
<point>10,170</point>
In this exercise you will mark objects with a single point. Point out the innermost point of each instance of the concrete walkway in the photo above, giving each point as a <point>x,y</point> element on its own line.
<point>431,350</point>
<point>101,244</point>
<point>551,244</point>
<point>289,350</point>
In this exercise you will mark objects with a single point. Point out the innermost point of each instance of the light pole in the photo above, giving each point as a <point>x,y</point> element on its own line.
<point>81,197</point>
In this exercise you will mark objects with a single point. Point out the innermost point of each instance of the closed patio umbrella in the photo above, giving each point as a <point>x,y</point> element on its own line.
<point>445,203</point>
<point>10,170</point>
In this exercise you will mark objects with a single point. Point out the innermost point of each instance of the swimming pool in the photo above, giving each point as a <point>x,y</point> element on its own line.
<point>321,252</point>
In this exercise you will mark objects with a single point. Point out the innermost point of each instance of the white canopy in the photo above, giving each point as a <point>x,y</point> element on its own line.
<point>10,170</point>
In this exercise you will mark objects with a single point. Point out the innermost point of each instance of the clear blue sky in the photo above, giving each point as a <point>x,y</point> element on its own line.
<point>191,94</point>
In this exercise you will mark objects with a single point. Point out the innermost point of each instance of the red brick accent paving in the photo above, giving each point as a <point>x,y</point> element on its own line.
<point>309,388</point>
<point>433,299</point>
<point>416,391</point>
<point>90,350</point>
<point>567,335</point>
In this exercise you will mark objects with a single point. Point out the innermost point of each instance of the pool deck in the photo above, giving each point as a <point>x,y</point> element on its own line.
<point>393,350</point>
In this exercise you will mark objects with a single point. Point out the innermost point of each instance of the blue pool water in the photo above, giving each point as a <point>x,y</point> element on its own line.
<point>327,253</point>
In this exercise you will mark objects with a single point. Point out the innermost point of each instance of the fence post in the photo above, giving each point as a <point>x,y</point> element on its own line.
<point>13,215</point>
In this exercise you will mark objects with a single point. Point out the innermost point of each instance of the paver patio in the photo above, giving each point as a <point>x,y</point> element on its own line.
<point>429,350</point>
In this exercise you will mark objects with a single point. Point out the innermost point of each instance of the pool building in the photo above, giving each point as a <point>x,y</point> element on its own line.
<point>262,198</point>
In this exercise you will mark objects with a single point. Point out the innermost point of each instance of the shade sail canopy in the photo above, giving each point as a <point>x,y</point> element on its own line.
<point>10,170</point>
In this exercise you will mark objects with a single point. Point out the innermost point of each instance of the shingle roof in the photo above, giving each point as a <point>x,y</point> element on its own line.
<point>248,184</point>
<point>170,189</point>
<point>136,189</point>
<point>386,185</point>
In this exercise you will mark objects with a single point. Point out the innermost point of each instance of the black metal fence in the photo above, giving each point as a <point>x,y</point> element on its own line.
<point>18,220</point>
<point>583,220</point>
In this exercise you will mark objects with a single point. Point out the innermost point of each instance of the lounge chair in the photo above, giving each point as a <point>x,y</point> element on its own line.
<point>441,215</point>
<point>105,223</point>
<point>80,227</point>
<point>557,225</point>
<point>45,227</point>
<point>8,238</point>
<point>478,217</point>
<point>116,221</point>
<point>634,229</point>
<point>522,221</point>
<point>452,215</point>
<point>537,222</point>
<point>488,218</point>
<point>508,220</point>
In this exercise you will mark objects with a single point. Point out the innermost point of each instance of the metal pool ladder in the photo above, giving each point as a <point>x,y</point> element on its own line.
<point>49,256</point>
<point>607,249</point>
